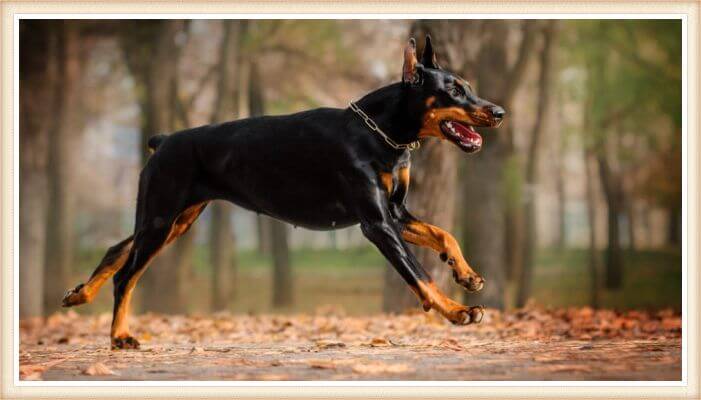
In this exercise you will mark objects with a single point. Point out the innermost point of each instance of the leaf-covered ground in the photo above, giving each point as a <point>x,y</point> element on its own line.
<point>533,344</point>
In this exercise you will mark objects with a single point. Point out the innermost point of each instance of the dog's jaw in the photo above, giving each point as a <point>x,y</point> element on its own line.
<point>463,135</point>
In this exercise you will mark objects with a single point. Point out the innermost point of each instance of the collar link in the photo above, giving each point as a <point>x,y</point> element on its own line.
<point>373,127</point>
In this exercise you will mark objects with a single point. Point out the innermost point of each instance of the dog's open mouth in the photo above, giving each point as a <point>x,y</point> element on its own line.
<point>462,135</point>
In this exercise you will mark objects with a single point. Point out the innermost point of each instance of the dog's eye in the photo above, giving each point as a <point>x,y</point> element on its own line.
<point>456,91</point>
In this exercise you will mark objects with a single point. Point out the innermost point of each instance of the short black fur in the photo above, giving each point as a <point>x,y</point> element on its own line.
<point>319,169</point>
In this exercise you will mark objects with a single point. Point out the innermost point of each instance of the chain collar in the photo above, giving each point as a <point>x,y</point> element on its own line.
<point>373,127</point>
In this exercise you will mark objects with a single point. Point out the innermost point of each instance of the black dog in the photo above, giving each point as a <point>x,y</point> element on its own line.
<point>321,169</point>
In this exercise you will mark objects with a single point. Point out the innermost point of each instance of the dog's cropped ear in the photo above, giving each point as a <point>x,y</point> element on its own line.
<point>428,57</point>
<point>409,73</point>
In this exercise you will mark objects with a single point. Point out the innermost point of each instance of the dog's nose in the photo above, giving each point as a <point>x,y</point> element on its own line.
<point>498,112</point>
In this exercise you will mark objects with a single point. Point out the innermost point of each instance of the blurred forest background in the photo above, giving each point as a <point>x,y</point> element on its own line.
<point>575,200</point>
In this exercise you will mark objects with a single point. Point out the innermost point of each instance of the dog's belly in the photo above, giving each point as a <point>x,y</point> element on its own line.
<point>300,200</point>
<point>316,216</point>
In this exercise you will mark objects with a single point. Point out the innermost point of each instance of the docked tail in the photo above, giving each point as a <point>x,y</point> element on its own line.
<point>155,141</point>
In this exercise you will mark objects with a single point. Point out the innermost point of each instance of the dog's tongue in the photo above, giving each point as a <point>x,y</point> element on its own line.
<point>468,134</point>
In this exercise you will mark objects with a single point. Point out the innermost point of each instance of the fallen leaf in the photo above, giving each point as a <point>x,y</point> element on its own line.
<point>274,377</point>
<point>97,369</point>
<point>379,368</point>
<point>26,371</point>
<point>321,364</point>
<point>329,344</point>
<point>568,368</point>
<point>451,344</point>
<point>380,342</point>
<point>34,376</point>
<point>34,371</point>
<point>672,324</point>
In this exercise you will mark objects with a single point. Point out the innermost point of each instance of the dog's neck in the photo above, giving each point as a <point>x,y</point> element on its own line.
<point>390,108</point>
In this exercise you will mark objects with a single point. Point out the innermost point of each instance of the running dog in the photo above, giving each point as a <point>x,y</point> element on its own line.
<point>322,169</point>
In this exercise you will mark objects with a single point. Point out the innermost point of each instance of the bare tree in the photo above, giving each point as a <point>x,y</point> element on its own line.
<point>561,241</point>
<point>221,240</point>
<point>62,135</point>
<point>591,216</point>
<point>485,224</point>
<point>283,282</point>
<point>38,47</point>
<point>434,170</point>
<point>152,56</point>
<point>530,241</point>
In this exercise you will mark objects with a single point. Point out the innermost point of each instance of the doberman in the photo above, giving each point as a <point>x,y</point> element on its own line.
<point>321,169</point>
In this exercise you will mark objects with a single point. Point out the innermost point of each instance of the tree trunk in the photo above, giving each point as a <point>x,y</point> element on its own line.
<point>37,81</point>
<point>514,218</point>
<point>263,231</point>
<point>484,226</point>
<point>675,229</point>
<point>59,228</point>
<point>591,217</point>
<point>221,238</point>
<point>561,241</point>
<point>220,253</point>
<point>530,241</point>
<point>283,281</point>
<point>431,199</point>
<point>152,56</point>
<point>630,214</point>
<point>612,192</point>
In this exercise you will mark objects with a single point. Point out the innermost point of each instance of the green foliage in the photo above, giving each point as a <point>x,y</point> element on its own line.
<point>653,280</point>
<point>628,76</point>
<point>632,72</point>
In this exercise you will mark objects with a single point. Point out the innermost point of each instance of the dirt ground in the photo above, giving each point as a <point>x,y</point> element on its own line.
<point>533,344</point>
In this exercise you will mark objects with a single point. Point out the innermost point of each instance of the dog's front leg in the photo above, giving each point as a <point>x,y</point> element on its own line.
<point>383,231</point>
<point>427,235</point>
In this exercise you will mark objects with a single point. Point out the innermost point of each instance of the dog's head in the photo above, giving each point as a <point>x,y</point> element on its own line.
<point>449,107</point>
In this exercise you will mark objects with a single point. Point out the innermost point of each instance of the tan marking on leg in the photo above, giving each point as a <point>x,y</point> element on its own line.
<point>427,235</point>
<point>112,262</point>
<point>120,323</point>
<point>184,221</point>
<point>103,273</point>
<point>120,320</point>
<point>430,101</point>
<point>450,309</point>
<point>387,182</point>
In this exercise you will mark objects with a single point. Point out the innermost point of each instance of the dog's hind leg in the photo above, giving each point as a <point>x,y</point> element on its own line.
<point>112,262</point>
<point>147,243</point>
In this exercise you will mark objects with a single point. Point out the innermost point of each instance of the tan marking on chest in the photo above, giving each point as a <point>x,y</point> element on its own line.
<point>387,182</point>
<point>404,177</point>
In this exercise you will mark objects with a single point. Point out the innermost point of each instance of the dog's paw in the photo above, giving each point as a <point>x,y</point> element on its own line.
<point>466,315</point>
<point>125,343</point>
<point>476,314</point>
<point>473,283</point>
<point>75,296</point>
